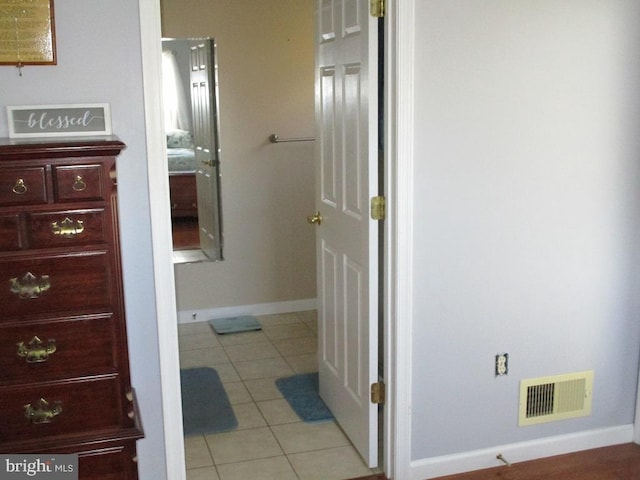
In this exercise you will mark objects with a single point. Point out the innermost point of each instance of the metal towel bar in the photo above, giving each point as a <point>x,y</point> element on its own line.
<point>275,139</point>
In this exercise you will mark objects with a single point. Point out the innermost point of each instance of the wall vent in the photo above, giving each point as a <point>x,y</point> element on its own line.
<point>559,397</point>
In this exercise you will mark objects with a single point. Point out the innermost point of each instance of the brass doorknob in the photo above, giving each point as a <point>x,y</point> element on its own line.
<point>315,219</point>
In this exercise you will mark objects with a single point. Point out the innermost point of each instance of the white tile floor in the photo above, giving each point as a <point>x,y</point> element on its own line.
<point>271,442</point>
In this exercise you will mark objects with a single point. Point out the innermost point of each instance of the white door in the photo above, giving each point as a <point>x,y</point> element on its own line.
<point>203,79</point>
<point>347,238</point>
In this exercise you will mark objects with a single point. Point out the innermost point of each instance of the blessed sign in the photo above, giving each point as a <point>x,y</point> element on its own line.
<point>59,120</point>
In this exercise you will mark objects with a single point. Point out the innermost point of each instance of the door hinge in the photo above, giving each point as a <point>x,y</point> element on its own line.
<point>378,393</point>
<point>378,210</point>
<point>377,8</point>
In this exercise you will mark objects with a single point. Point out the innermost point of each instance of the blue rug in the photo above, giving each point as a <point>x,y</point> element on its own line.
<point>205,405</point>
<point>245,323</point>
<point>301,391</point>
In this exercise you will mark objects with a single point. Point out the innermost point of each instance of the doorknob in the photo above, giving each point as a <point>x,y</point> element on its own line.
<point>315,219</point>
<point>210,163</point>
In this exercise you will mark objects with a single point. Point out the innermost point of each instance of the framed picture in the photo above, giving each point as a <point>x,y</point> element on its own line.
<point>59,120</point>
<point>27,32</point>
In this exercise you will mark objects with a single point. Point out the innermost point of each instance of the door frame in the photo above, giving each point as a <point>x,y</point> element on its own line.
<point>161,241</point>
<point>398,244</point>
<point>399,50</point>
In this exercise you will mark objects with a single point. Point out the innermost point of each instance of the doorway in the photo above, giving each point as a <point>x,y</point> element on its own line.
<point>398,247</point>
<point>253,153</point>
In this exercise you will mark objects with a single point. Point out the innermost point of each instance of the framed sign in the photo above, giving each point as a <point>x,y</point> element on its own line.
<point>27,32</point>
<point>59,120</point>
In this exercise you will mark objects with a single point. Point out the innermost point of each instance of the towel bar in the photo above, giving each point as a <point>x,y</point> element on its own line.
<point>275,139</point>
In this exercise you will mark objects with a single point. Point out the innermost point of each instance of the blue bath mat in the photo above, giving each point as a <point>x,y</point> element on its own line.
<point>301,391</point>
<point>246,323</point>
<point>205,405</point>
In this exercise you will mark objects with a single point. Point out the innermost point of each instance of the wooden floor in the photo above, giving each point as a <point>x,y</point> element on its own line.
<point>185,233</point>
<point>620,462</point>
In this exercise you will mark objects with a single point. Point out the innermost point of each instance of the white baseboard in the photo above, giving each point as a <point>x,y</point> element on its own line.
<point>519,452</point>
<point>190,316</point>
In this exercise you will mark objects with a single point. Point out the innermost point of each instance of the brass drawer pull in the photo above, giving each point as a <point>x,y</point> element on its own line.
<point>43,412</point>
<point>20,188</point>
<point>36,351</point>
<point>79,185</point>
<point>67,228</point>
<point>29,286</point>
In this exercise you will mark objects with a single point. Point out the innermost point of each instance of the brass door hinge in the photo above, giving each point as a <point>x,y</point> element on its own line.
<point>378,210</point>
<point>377,8</point>
<point>378,393</point>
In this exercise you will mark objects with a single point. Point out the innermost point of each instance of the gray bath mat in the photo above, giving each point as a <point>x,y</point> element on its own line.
<point>245,323</point>
<point>205,405</point>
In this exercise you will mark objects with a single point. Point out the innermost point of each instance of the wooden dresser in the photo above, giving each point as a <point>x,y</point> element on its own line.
<point>64,369</point>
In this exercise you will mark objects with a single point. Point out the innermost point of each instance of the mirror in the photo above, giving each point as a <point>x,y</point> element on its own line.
<point>191,118</point>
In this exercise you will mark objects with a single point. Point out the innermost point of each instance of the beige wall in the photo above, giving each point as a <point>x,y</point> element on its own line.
<point>265,56</point>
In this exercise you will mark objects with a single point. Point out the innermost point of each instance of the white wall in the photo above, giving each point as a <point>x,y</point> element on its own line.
<point>265,59</point>
<point>98,48</point>
<point>526,213</point>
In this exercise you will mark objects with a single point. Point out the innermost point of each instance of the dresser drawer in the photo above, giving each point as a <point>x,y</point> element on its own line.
<point>73,227</point>
<point>40,411</point>
<point>46,284</point>
<point>24,186</point>
<point>78,182</point>
<point>53,229</point>
<point>109,463</point>
<point>58,349</point>
<point>9,232</point>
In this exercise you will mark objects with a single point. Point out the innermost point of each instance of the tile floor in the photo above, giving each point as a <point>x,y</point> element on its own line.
<point>271,442</point>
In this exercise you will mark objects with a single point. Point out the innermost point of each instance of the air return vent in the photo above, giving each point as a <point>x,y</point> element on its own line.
<point>549,399</point>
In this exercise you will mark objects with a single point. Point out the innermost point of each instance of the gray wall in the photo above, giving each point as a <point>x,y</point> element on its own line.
<point>526,217</point>
<point>98,47</point>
